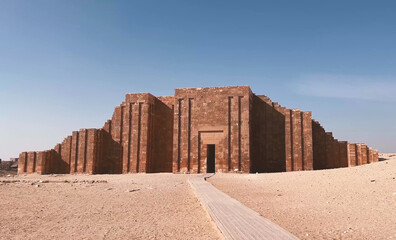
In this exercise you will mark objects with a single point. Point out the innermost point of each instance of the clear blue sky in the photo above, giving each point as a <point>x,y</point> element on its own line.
<point>65,65</point>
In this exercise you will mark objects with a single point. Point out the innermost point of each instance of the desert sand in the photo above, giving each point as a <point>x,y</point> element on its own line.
<point>131,206</point>
<point>347,203</point>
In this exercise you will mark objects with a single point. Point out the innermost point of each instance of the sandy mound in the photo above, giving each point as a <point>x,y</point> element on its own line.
<point>347,203</point>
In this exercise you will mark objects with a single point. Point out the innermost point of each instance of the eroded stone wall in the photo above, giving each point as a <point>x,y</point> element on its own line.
<point>360,154</point>
<point>267,130</point>
<point>250,133</point>
<point>281,138</point>
<point>136,139</point>
<point>218,116</point>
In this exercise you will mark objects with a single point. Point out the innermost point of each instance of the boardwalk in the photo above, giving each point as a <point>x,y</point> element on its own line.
<point>235,220</point>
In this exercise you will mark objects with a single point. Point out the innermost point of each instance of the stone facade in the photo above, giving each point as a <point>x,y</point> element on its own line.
<point>211,116</point>
<point>198,130</point>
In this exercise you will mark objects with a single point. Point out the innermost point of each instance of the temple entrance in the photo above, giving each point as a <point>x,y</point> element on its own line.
<point>211,159</point>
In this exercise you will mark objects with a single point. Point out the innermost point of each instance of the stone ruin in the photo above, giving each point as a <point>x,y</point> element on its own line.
<point>199,130</point>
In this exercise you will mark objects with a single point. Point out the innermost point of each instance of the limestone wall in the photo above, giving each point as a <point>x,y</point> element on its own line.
<point>217,116</point>
<point>281,138</point>
<point>164,134</point>
<point>138,138</point>
<point>360,154</point>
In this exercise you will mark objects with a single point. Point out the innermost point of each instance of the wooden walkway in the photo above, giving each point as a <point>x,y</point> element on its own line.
<point>235,220</point>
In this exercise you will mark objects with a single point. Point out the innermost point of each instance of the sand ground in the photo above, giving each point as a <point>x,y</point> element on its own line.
<point>348,203</point>
<point>131,206</point>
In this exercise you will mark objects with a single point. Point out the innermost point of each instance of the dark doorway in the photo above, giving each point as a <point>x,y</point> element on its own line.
<point>211,160</point>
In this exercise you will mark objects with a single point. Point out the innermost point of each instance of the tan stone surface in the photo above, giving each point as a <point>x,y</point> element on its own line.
<point>345,203</point>
<point>159,206</point>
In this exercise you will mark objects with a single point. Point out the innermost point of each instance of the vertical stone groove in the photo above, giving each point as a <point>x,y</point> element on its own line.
<point>199,152</point>
<point>34,161</point>
<point>189,135</point>
<point>302,140</point>
<point>229,133</point>
<point>60,150</point>
<point>70,151</point>
<point>25,167</point>
<point>138,138</point>
<point>149,163</point>
<point>76,155</point>
<point>85,150</point>
<point>239,134</point>
<point>129,137</point>
<point>179,135</point>
<point>122,123</point>
<point>291,140</point>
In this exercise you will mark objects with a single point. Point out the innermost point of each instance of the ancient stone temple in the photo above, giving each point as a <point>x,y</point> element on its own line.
<point>199,130</point>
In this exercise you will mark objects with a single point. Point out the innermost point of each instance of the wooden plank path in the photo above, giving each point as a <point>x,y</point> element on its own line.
<point>235,220</point>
